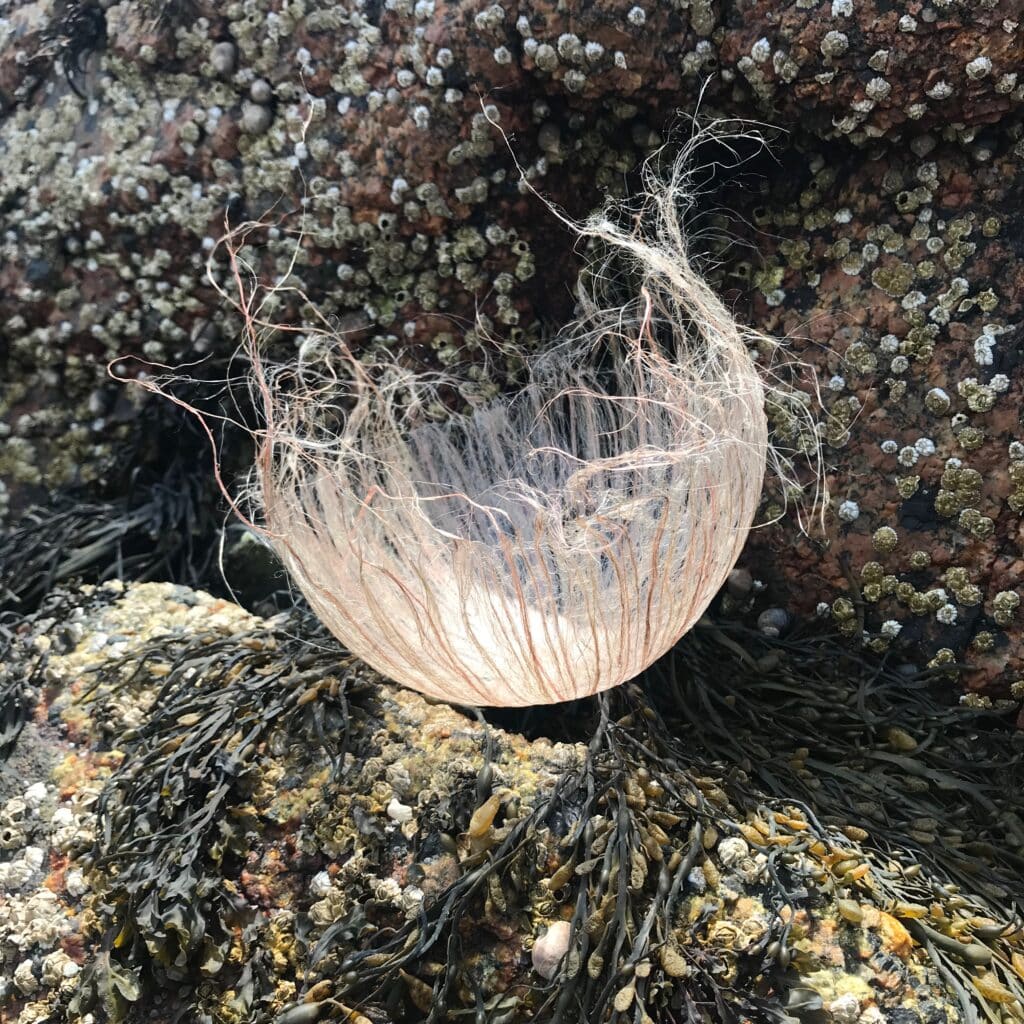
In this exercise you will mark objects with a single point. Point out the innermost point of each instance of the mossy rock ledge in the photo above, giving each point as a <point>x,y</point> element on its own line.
<point>214,817</point>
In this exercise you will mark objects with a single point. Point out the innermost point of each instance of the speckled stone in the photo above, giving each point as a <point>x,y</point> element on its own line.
<point>416,223</point>
<point>900,281</point>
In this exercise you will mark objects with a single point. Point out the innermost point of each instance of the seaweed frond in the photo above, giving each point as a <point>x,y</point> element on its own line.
<point>160,522</point>
<point>173,823</point>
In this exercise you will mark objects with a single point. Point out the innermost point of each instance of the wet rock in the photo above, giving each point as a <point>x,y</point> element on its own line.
<point>416,222</point>
<point>292,830</point>
<point>899,281</point>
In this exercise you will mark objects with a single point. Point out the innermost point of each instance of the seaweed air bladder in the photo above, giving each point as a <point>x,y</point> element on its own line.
<point>548,544</point>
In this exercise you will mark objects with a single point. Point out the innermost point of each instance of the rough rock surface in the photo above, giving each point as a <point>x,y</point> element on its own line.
<point>865,70</point>
<point>901,280</point>
<point>240,827</point>
<point>368,127</point>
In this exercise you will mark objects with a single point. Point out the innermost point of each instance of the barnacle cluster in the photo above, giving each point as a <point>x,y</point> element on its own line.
<point>922,389</point>
<point>209,110</point>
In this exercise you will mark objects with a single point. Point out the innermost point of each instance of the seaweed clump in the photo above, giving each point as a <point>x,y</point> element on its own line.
<point>289,839</point>
<point>860,739</point>
<point>692,893</point>
<point>176,823</point>
<point>154,518</point>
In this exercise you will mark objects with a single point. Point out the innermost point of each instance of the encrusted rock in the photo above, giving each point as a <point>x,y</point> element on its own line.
<point>415,221</point>
<point>901,287</point>
<point>294,832</point>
